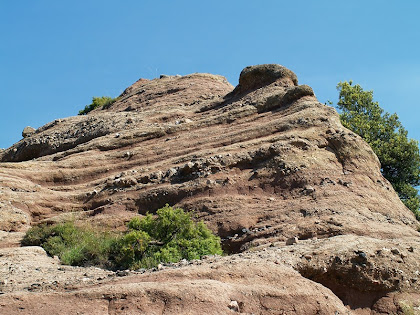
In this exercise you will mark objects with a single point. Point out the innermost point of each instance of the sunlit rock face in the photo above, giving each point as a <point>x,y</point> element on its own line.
<point>263,164</point>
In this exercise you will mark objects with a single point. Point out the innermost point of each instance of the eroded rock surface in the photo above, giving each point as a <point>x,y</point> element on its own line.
<point>264,165</point>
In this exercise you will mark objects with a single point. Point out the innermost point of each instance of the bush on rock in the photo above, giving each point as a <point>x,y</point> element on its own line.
<point>169,236</point>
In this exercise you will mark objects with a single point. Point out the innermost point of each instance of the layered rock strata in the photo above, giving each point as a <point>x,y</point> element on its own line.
<point>263,164</point>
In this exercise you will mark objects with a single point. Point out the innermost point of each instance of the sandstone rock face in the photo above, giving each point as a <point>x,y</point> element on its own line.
<point>298,200</point>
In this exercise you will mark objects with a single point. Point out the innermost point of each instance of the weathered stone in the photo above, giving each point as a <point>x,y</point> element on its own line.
<point>254,77</point>
<point>292,240</point>
<point>395,251</point>
<point>234,306</point>
<point>259,166</point>
<point>125,182</point>
<point>28,131</point>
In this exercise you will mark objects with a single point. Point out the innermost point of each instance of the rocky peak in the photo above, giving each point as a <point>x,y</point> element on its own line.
<point>255,77</point>
<point>298,199</point>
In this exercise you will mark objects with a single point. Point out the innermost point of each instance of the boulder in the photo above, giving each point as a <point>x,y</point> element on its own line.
<point>28,131</point>
<point>255,77</point>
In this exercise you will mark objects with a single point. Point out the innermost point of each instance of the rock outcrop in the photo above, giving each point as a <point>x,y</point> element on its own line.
<point>299,201</point>
<point>28,131</point>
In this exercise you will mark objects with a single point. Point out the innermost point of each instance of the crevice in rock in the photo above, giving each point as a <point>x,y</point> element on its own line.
<point>354,296</point>
<point>285,99</point>
<point>236,245</point>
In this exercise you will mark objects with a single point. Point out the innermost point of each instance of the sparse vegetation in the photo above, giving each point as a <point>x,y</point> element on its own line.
<point>408,308</point>
<point>97,102</point>
<point>74,245</point>
<point>169,236</point>
<point>399,155</point>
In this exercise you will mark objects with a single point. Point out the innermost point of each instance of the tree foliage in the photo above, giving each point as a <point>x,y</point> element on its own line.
<point>97,102</point>
<point>399,155</point>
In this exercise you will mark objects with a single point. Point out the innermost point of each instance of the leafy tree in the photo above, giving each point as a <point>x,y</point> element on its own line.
<point>103,101</point>
<point>399,155</point>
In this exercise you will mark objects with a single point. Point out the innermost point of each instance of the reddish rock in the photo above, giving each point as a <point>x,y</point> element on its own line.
<point>260,164</point>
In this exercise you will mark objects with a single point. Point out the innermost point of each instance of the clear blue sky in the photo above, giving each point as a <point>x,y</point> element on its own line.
<point>56,55</point>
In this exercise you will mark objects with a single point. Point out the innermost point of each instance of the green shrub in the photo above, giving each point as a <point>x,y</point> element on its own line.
<point>103,101</point>
<point>130,248</point>
<point>37,235</point>
<point>168,237</point>
<point>74,245</point>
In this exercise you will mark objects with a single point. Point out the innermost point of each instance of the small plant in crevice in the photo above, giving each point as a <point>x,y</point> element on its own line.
<point>97,102</point>
<point>169,236</point>
<point>408,308</point>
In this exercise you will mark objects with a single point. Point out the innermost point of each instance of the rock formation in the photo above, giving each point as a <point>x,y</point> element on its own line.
<point>28,131</point>
<point>311,224</point>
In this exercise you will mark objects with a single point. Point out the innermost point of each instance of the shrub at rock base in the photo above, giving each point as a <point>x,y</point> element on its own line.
<point>74,245</point>
<point>168,237</point>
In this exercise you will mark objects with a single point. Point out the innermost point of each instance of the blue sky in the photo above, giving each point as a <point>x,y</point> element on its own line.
<point>56,55</point>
